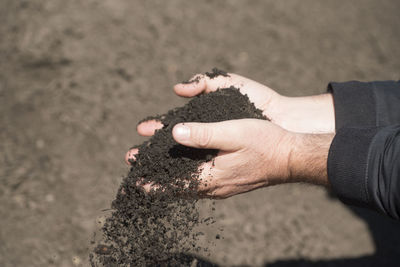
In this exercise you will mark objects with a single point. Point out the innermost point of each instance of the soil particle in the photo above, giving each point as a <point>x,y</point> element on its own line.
<point>102,250</point>
<point>216,72</point>
<point>194,80</point>
<point>147,229</point>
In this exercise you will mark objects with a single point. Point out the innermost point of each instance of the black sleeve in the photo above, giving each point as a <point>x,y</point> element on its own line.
<point>364,158</point>
<point>364,168</point>
<point>366,104</point>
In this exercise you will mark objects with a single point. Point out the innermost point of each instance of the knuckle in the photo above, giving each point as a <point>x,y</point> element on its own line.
<point>203,136</point>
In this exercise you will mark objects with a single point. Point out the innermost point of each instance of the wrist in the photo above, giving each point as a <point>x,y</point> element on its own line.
<point>310,114</point>
<point>308,158</point>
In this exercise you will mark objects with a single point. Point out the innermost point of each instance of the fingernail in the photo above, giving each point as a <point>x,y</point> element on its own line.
<point>182,132</point>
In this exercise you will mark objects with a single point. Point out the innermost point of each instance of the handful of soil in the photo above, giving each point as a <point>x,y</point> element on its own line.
<point>148,229</point>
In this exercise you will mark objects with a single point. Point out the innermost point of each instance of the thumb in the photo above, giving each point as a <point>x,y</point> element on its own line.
<point>219,135</point>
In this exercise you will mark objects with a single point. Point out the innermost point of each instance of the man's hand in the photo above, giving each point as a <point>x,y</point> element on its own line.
<point>253,154</point>
<point>312,114</point>
<point>256,153</point>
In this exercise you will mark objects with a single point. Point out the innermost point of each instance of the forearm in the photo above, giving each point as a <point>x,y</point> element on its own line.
<point>308,158</point>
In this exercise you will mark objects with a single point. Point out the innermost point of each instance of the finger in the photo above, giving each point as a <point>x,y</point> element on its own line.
<point>212,84</point>
<point>226,135</point>
<point>148,128</point>
<point>214,184</point>
<point>195,86</point>
<point>202,83</point>
<point>210,182</point>
<point>130,155</point>
<point>206,181</point>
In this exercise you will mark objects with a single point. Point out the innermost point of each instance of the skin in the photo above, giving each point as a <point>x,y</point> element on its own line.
<point>292,147</point>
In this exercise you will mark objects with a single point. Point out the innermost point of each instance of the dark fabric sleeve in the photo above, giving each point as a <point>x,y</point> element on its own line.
<point>364,158</point>
<point>366,104</point>
<point>364,168</point>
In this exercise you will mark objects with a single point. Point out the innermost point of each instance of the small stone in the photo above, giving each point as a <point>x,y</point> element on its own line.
<point>40,144</point>
<point>76,260</point>
<point>49,198</point>
<point>100,221</point>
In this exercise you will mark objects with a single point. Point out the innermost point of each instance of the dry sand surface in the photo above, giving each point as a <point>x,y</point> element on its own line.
<point>76,77</point>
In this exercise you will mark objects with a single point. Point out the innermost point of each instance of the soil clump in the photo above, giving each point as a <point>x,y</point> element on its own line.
<point>155,228</point>
<point>215,72</point>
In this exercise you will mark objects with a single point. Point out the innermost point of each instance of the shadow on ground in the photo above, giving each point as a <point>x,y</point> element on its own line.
<point>386,236</point>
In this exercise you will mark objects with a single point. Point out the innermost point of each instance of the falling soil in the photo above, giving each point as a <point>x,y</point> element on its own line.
<point>157,228</point>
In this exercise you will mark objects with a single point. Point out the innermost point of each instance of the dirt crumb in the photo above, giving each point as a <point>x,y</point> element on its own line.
<point>216,72</point>
<point>194,80</point>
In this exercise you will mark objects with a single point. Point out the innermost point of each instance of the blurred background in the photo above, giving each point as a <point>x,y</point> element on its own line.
<point>76,77</point>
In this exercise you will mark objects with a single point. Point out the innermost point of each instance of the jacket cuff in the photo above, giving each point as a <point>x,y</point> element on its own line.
<point>347,164</point>
<point>354,104</point>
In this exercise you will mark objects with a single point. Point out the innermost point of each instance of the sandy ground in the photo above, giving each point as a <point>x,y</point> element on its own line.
<point>76,77</point>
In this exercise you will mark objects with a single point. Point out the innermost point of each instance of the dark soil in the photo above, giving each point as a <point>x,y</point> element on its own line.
<point>194,80</point>
<point>216,72</point>
<point>75,76</point>
<point>149,228</point>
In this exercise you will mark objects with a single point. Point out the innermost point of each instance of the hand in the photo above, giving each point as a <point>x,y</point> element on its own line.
<point>253,154</point>
<point>244,165</point>
<point>311,114</point>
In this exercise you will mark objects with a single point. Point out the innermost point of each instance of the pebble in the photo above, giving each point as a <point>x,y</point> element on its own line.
<point>76,260</point>
<point>49,198</point>
<point>40,144</point>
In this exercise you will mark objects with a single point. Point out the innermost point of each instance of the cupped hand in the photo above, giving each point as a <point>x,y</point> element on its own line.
<point>310,114</point>
<point>252,154</point>
<point>262,96</point>
<point>256,153</point>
